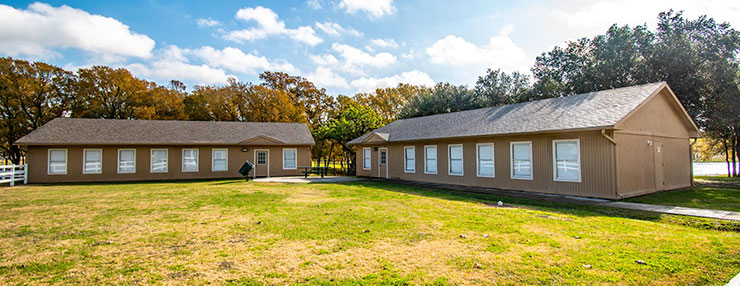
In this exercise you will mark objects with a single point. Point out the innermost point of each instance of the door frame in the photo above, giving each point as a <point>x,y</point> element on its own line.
<point>267,161</point>
<point>380,149</point>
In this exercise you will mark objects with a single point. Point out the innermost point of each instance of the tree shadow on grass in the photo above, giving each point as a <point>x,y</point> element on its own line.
<point>580,210</point>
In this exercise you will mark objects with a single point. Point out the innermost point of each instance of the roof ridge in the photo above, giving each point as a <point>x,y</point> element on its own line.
<point>174,120</point>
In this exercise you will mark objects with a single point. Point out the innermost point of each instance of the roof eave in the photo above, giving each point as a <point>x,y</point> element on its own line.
<point>585,129</point>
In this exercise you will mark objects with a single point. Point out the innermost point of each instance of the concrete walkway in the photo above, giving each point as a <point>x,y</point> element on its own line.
<point>706,213</point>
<point>310,179</point>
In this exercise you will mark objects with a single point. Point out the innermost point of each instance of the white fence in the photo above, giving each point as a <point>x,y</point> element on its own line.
<point>13,173</point>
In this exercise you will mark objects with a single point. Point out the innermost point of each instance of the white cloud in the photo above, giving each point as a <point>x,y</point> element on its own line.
<point>41,28</point>
<point>355,60</point>
<point>324,60</point>
<point>325,77</point>
<point>384,43</point>
<point>314,4</point>
<point>165,70</point>
<point>207,22</point>
<point>414,77</point>
<point>334,29</point>
<point>374,8</point>
<point>269,25</point>
<point>234,59</point>
<point>507,30</point>
<point>499,52</point>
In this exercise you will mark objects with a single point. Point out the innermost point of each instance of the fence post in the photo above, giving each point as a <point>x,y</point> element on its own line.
<point>12,175</point>
<point>25,174</point>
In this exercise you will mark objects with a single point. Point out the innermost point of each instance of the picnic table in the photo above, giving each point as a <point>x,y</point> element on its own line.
<point>314,170</point>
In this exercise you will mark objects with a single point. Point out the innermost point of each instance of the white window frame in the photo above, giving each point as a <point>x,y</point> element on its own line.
<point>84,161</point>
<point>511,160</point>
<point>213,159</point>
<point>118,167</point>
<point>436,159</point>
<point>182,159</point>
<point>477,160</point>
<point>555,164</point>
<point>48,161</point>
<point>365,157</point>
<point>449,159</point>
<point>151,161</point>
<point>295,150</point>
<point>405,159</point>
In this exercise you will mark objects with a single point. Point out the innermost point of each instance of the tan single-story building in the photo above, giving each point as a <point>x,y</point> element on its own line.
<point>100,150</point>
<point>608,144</point>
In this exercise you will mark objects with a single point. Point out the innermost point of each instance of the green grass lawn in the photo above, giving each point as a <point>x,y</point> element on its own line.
<point>360,233</point>
<point>713,192</point>
<point>719,178</point>
<point>717,198</point>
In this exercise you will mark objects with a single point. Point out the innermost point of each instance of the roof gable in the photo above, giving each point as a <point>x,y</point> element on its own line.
<point>665,93</point>
<point>376,137</point>
<point>261,140</point>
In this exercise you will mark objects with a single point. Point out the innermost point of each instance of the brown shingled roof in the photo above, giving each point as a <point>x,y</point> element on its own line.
<point>83,131</point>
<point>600,109</point>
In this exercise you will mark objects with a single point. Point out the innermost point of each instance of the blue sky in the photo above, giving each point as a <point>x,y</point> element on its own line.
<point>345,46</point>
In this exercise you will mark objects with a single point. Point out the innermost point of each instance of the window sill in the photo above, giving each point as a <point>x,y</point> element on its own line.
<point>522,178</point>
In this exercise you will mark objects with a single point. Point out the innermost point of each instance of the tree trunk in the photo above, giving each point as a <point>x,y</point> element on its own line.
<point>15,154</point>
<point>727,157</point>
<point>735,139</point>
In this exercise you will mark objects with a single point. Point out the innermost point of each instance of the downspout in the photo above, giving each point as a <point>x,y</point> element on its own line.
<point>691,160</point>
<point>616,165</point>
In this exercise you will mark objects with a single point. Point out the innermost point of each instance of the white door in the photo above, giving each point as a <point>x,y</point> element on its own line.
<point>383,163</point>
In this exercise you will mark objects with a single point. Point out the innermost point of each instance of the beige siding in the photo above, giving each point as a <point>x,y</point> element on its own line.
<point>37,163</point>
<point>597,164</point>
<point>657,116</point>
<point>659,122</point>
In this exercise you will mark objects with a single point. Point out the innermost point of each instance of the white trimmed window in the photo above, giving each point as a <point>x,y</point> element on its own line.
<point>430,159</point>
<point>126,161</point>
<point>484,156</point>
<point>159,161</point>
<point>190,160</point>
<point>289,158</point>
<point>366,159</point>
<point>455,155</point>
<point>566,160</point>
<point>220,160</point>
<point>92,161</point>
<point>521,160</point>
<point>409,159</point>
<point>57,162</point>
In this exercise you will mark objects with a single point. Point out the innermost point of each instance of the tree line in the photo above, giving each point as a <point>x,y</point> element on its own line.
<point>698,58</point>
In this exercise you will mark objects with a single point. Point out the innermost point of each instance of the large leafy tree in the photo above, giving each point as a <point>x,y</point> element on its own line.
<point>353,121</point>
<point>31,94</point>
<point>389,102</point>
<point>313,101</point>
<point>104,92</point>
<point>498,88</point>
<point>443,98</point>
